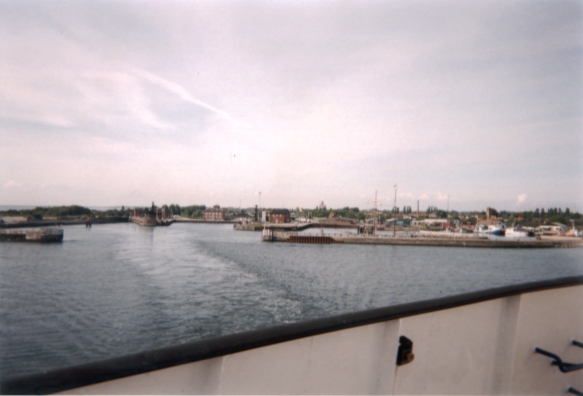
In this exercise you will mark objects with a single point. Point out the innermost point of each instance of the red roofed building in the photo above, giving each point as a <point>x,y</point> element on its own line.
<point>214,214</point>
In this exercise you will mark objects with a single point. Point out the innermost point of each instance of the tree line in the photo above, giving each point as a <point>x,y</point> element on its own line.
<point>527,218</point>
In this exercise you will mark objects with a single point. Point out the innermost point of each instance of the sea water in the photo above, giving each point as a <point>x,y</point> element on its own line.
<point>117,289</point>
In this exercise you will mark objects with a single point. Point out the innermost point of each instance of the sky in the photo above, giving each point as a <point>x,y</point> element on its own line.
<point>290,103</point>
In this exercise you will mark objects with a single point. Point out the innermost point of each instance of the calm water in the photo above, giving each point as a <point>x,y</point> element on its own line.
<point>117,289</point>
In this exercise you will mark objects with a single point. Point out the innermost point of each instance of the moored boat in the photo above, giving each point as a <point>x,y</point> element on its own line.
<point>574,232</point>
<point>491,229</point>
<point>519,232</point>
<point>555,229</point>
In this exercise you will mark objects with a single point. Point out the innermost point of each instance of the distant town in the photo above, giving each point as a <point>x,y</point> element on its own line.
<point>431,218</point>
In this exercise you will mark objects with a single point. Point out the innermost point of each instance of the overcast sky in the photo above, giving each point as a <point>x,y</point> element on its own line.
<point>107,103</point>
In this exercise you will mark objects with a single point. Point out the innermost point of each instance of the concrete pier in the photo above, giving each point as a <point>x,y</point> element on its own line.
<point>52,223</point>
<point>292,226</point>
<point>445,240</point>
<point>248,227</point>
<point>180,219</point>
<point>53,234</point>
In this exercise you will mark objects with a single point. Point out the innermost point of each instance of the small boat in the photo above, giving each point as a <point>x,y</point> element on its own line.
<point>574,232</point>
<point>555,229</point>
<point>519,232</point>
<point>492,229</point>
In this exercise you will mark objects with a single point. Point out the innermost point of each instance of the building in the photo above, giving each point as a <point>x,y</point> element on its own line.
<point>214,214</point>
<point>280,216</point>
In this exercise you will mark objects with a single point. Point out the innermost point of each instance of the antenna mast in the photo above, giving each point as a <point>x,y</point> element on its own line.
<point>395,213</point>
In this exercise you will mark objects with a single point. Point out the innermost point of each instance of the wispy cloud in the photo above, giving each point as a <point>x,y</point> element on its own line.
<point>307,103</point>
<point>179,91</point>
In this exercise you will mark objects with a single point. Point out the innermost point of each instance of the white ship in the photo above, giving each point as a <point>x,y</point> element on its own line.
<point>574,232</point>
<point>518,232</point>
<point>492,229</point>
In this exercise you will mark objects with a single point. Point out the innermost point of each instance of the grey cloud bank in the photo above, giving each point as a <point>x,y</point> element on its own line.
<point>122,103</point>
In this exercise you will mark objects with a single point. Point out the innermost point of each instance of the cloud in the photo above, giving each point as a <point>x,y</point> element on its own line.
<point>12,183</point>
<point>117,96</point>
<point>179,91</point>
<point>395,94</point>
<point>408,195</point>
<point>442,197</point>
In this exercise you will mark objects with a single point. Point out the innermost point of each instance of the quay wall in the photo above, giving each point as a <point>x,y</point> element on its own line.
<point>298,226</point>
<point>34,235</point>
<point>458,241</point>
<point>447,242</point>
<point>180,219</point>
<point>249,227</point>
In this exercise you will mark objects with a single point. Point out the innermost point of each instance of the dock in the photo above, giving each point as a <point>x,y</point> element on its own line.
<point>462,240</point>
<point>151,222</point>
<point>248,226</point>
<point>295,226</point>
<point>52,234</point>
<point>181,219</point>
<point>54,223</point>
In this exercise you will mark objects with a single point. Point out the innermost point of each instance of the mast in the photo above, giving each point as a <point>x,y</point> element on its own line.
<point>376,213</point>
<point>447,213</point>
<point>395,213</point>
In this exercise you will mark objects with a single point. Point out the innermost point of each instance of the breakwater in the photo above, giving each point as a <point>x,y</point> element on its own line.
<point>52,234</point>
<point>248,226</point>
<point>256,226</point>
<point>151,221</point>
<point>446,240</point>
<point>52,223</point>
<point>180,219</point>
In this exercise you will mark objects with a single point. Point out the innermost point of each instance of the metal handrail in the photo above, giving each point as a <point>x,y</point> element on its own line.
<point>563,366</point>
